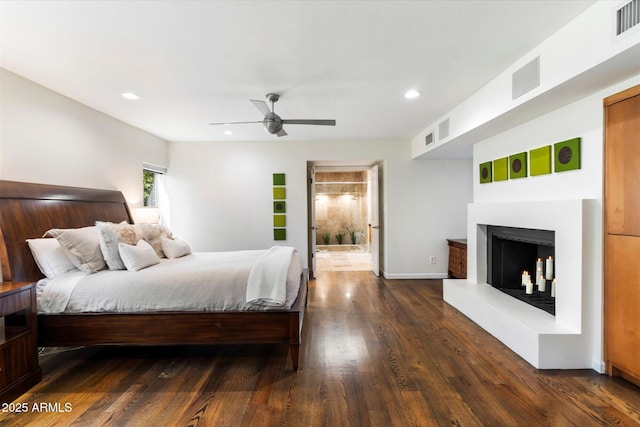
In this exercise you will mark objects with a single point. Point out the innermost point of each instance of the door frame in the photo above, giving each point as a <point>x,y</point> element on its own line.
<point>311,225</point>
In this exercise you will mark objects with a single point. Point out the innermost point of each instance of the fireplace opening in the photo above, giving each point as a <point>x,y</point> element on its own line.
<point>513,251</point>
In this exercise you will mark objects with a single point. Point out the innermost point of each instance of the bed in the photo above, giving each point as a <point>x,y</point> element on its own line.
<point>28,210</point>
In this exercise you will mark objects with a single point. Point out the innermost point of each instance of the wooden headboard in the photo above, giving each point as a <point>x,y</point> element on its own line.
<point>28,210</point>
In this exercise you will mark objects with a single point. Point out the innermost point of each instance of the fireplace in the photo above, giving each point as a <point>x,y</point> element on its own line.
<point>511,252</point>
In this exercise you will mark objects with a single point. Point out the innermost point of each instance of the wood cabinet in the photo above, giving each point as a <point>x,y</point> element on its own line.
<point>457,259</point>
<point>19,369</point>
<point>622,234</point>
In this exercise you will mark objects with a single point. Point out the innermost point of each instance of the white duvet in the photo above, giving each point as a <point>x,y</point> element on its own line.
<point>212,281</point>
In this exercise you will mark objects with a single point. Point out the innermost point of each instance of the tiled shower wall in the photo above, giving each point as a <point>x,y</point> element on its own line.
<point>342,205</point>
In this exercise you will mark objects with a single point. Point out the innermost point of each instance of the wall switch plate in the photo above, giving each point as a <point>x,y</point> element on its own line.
<point>432,260</point>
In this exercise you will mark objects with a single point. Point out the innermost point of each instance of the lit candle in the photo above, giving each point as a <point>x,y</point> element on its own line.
<point>553,288</point>
<point>541,283</point>
<point>525,277</point>
<point>538,266</point>
<point>549,268</point>
<point>529,288</point>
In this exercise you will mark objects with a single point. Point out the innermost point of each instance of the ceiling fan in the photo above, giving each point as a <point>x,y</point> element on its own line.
<point>272,122</point>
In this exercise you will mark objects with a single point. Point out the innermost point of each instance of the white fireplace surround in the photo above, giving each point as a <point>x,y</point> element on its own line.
<point>572,339</point>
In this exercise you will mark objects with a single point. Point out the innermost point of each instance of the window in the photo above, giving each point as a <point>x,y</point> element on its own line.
<point>151,184</point>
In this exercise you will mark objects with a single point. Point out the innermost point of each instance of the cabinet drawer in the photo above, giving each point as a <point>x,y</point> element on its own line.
<point>17,359</point>
<point>15,302</point>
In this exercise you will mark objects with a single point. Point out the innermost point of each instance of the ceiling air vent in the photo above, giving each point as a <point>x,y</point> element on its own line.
<point>428,139</point>
<point>443,129</point>
<point>627,16</point>
<point>525,79</point>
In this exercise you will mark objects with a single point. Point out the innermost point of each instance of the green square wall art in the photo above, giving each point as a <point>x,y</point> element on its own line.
<point>566,155</point>
<point>278,179</point>
<point>279,234</point>
<point>279,193</point>
<point>485,173</point>
<point>540,161</point>
<point>279,220</point>
<point>279,207</point>
<point>518,165</point>
<point>500,168</point>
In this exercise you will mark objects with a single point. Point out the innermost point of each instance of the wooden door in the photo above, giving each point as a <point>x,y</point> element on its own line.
<point>622,234</point>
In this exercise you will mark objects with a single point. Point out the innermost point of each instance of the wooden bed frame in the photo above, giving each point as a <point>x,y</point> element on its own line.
<point>28,210</point>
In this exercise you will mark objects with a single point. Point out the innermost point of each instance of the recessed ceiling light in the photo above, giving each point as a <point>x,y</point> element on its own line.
<point>131,96</point>
<point>228,132</point>
<point>412,94</point>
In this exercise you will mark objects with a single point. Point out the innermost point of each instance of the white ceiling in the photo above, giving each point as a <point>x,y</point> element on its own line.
<point>196,62</point>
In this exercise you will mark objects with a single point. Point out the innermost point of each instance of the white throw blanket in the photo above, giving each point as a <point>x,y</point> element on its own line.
<point>267,284</point>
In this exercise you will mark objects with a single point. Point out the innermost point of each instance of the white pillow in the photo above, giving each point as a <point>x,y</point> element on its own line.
<point>110,235</point>
<point>139,256</point>
<point>175,248</point>
<point>50,257</point>
<point>153,233</point>
<point>81,246</point>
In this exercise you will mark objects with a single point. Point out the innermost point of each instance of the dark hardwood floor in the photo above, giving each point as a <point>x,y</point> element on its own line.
<point>375,352</point>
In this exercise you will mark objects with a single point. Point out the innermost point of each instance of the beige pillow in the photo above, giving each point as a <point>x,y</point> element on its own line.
<point>81,246</point>
<point>153,233</point>
<point>139,256</point>
<point>111,235</point>
<point>175,248</point>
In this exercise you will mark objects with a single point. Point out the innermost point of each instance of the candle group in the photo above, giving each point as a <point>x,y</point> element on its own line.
<point>541,276</point>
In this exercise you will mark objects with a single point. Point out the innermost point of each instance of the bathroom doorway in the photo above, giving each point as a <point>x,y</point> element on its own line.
<point>343,226</point>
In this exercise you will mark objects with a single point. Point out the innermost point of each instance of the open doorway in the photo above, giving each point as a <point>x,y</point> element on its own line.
<point>342,218</point>
<point>343,226</point>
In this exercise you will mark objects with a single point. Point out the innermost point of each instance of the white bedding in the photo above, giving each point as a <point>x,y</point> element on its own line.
<point>212,281</point>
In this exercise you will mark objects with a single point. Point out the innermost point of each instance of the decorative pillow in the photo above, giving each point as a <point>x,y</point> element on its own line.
<point>152,233</point>
<point>50,257</point>
<point>175,248</point>
<point>111,235</point>
<point>139,256</point>
<point>81,246</point>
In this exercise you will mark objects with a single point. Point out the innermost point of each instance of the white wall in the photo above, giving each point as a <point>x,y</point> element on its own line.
<point>221,198</point>
<point>48,138</point>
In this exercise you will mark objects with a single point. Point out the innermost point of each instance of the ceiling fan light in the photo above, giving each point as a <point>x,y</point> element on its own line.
<point>412,94</point>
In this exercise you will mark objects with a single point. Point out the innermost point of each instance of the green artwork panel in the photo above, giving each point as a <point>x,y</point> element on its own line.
<point>279,193</point>
<point>485,172</point>
<point>566,155</point>
<point>279,220</point>
<point>279,234</point>
<point>518,165</point>
<point>540,161</point>
<point>278,179</point>
<point>501,169</point>
<point>279,207</point>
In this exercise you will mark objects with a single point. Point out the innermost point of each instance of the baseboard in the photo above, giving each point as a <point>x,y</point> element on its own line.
<point>598,366</point>
<point>401,276</point>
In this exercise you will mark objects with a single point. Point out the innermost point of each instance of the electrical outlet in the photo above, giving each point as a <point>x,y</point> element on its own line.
<point>432,259</point>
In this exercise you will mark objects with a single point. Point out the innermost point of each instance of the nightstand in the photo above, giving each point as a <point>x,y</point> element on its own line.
<point>19,369</point>
<point>457,259</point>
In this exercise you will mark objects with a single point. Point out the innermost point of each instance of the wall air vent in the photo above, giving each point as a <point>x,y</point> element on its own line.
<point>627,16</point>
<point>525,79</point>
<point>428,139</point>
<point>443,129</point>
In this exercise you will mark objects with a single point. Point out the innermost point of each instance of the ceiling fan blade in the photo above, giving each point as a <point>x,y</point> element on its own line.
<point>281,132</point>
<point>309,122</point>
<point>232,123</point>
<point>261,106</point>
